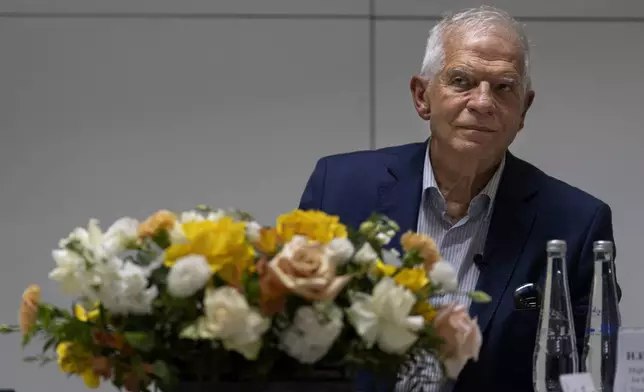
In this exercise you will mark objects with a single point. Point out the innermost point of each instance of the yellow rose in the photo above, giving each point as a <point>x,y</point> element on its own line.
<point>414,279</point>
<point>315,225</point>
<point>222,242</point>
<point>74,359</point>
<point>268,241</point>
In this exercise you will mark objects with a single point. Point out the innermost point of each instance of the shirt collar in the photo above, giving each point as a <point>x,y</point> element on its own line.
<point>490,189</point>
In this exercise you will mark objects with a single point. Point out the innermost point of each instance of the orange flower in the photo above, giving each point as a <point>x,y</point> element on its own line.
<point>424,245</point>
<point>29,308</point>
<point>160,220</point>
<point>272,298</point>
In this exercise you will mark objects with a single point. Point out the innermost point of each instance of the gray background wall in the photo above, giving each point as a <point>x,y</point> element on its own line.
<point>112,107</point>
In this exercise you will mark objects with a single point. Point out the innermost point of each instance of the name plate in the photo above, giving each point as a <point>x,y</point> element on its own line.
<point>629,376</point>
<point>577,382</point>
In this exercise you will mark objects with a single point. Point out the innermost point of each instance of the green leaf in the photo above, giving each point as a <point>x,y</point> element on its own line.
<point>26,339</point>
<point>162,239</point>
<point>204,208</point>
<point>367,228</point>
<point>253,289</point>
<point>162,372</point>
<point>117,380</point>
<point>7,329</point>
<point>76,330</point>
<point>45,315</point>
<point>141,341</point>
<point>242,216</point>
<point>412,258</point>
<point>31,359</point>
<point>49,344</point>
<point>480,296</point>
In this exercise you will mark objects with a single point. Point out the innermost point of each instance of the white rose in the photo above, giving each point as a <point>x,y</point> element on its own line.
<point>89,238</point>
<point>312,333</point>
<point>365,255</point>
<point>341,250</point>
<point>118,236</point>
<point>383,238</point>
<point>443,274</point>
<point>188,275</point>
<point>383,317</point>
<point>103,245</point>
<point>128,292</point>
<point>391,257</point>
<point>196,216</point>
<point>229,317</point>
<point>68,265</point>
<point>253,231</point>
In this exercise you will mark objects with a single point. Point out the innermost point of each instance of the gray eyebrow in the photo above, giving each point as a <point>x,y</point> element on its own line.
<point>510,79</point>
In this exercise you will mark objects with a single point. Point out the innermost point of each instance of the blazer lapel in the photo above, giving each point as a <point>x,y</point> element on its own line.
<point>399,197</point>
<point>512,220</point>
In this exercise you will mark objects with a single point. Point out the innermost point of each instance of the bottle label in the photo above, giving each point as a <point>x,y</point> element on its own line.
<point>605,329</point>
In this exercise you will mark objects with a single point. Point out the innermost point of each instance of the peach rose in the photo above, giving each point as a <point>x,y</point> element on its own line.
<point>160,220</point>
<point>27,316</point>
<point>306,269</point>
<point>424,245</point>
<point>272,292</point>
<point>461,335</point>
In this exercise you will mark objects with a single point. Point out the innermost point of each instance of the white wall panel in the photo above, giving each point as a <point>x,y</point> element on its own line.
<point>344,7</point>
<point>584,127</point>
<point>103,118</point>
<point>527,8</point>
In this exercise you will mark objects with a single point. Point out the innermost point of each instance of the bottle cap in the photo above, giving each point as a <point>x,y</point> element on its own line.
<point>603,246</point>
<point>556,246</point>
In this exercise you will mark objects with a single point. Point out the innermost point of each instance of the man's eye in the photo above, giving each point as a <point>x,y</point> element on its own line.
<point>505,87</point>
<point>459,82</point>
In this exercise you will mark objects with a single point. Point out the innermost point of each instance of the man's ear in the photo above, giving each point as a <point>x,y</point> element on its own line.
<point>529,98</point>
<point>418,87</point>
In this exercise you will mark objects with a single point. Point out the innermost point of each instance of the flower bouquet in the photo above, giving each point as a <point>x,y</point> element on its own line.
<point>211,295</point>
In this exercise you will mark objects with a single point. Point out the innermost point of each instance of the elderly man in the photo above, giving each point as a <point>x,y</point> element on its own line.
<point>490,213</point>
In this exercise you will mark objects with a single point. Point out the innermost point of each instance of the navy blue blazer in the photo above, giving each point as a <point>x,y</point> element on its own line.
<point>530,209</point>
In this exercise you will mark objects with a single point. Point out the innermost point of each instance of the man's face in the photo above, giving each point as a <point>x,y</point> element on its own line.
<point>477,103</point>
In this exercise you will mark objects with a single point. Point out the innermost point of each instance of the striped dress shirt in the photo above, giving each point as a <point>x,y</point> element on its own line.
<point>458,243</point>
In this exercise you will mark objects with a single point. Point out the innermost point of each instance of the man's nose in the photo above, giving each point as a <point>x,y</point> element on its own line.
<point>481,100</point>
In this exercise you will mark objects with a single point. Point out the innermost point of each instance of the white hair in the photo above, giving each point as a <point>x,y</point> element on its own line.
<point>473,21</point>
